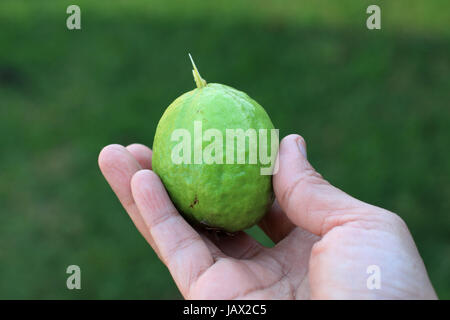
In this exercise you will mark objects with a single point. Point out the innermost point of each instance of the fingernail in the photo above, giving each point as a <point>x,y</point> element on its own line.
<point>301,146</point>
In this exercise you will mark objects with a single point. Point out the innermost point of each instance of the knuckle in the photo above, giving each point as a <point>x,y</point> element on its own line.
<point>301,185</point>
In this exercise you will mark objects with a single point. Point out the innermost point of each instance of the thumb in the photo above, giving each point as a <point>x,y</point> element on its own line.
<point>308,200</point>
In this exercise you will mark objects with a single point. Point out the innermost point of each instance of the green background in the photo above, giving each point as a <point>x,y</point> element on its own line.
<point>372,105</point>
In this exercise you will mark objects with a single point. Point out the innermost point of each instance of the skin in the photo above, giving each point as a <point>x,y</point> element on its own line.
<point>325,239</point>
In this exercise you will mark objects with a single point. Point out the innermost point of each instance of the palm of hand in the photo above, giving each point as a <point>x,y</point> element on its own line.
<point>345,236</point>
<point>249,271</point>
<point>303,266</point>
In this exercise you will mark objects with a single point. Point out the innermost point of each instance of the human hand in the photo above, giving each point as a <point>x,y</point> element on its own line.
<point>325,239</point>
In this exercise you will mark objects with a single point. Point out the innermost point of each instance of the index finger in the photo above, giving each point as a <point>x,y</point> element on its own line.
<point>118,164</point>
<point>181,248</point>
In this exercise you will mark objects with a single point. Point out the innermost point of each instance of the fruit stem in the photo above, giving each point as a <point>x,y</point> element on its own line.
<point>199,81</point>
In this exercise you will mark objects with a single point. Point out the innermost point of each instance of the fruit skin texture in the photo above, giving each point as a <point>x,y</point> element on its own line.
<point>229,197</point>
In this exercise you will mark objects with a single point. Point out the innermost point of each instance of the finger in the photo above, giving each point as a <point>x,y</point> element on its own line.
<point>275,224</point>
<point>181,248</point>
<point>118,166</point>
<point>308,200</point>
<point>238,245</point>
<point>142,154</point>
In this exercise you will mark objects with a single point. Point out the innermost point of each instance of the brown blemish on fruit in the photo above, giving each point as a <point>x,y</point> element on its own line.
<point>195,202</point>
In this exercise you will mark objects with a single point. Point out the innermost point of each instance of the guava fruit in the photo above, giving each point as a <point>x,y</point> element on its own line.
<point>217,193</point>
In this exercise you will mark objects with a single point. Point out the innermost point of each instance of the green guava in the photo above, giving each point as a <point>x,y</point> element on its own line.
<point>219,193</point>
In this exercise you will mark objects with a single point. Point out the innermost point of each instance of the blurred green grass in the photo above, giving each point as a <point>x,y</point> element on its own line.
<point>372,105</point>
